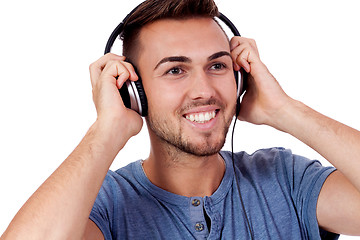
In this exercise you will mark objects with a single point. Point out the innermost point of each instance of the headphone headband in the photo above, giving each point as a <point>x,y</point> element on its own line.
<point>117,31</point>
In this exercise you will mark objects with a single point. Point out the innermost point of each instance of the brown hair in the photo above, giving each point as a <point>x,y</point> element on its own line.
<point>153,10</point>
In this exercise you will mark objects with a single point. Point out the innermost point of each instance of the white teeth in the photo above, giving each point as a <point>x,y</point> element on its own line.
<point>201,117</point>
<point>192,118</point>
<point>207,115</point>
<point>197,118</point>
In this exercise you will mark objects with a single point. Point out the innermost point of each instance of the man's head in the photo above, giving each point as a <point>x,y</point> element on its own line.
<point>187,74</point>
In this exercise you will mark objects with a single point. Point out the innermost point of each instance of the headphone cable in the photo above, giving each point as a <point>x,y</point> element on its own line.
<point>237,181</point>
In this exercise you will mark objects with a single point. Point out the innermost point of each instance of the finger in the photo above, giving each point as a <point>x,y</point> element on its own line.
<point>121,71</point>
<point>115,71</point>
<point>240,56</point>
<point>237,41</point>
<point>97,67</point>
<point>236,67</point>
<point>101,62</point>
<point>237,44</point>
<point>126,73</point>
<point>243,60</point>
<point>235,52</point>
<point>244,52</point>
<point>234,42</point>
<point>130,68</point>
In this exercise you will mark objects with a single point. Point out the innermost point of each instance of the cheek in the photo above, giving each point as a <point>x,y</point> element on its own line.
<point>162,99</point>
<point>229,91</point>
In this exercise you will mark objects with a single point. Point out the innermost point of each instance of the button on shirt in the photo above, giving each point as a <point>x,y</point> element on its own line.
<point>197,217</point>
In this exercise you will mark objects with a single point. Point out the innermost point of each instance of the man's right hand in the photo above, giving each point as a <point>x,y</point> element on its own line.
<point>108,74</point>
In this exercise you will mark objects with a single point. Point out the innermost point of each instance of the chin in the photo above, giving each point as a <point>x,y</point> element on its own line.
<point>173,136</point>
<point>201,149</point>
<point>202,152</point>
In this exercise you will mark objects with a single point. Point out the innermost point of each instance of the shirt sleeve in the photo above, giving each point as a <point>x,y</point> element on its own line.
<point>306,178</point>
<point>100,213</point>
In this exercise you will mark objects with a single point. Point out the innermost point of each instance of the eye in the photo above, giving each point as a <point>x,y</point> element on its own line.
<point>175,71</point>
<point>218,66</point>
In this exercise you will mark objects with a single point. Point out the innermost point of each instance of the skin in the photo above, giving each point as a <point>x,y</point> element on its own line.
<point>198,78</point>
<point>59,209</point>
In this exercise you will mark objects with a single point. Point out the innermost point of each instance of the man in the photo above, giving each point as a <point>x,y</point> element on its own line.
<point>186,187</point>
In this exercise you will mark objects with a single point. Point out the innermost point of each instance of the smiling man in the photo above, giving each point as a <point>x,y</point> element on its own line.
<point>188,188</point>
<point>197,89</point>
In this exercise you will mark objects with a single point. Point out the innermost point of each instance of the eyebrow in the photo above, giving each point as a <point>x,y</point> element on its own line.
<point>218,55</point>
<point>184,59</point>
<point>173,59</point>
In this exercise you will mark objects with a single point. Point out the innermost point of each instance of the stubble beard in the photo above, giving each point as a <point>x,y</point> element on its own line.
<point>177,141</point>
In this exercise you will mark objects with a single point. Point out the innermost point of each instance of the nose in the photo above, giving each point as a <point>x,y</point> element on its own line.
<point>201,86</point>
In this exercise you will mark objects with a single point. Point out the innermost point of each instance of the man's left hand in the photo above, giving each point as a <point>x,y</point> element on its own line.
<point>264,98</point>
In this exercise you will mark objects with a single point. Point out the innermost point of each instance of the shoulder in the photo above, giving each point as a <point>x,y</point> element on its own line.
<point>268,157</point>
<point>274,162</point>
<point>262,158</point>
<point>118,186</point>
<point>119,182</point>
<point>121,174</point>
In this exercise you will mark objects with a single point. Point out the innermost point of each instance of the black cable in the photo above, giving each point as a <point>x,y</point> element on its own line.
<point>237,181</point>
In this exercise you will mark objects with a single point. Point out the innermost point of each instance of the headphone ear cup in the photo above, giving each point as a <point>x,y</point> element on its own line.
<point>238,78</point>
<point>125,96</point>
<point>142,97</point>
<point>244,80</point>
<point>134,97</point>
<point>241,84</point>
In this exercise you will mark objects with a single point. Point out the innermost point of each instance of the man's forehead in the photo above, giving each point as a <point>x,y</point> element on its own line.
<point>189,37</point>
<point>172,27</point>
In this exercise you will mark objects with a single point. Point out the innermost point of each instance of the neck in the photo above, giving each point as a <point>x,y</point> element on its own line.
<point>184,174</point>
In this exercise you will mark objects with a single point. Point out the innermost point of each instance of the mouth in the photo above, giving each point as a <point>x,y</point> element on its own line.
<point>201,117</point>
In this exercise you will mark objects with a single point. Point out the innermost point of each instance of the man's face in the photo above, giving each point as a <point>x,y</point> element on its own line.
<point>188,78</point>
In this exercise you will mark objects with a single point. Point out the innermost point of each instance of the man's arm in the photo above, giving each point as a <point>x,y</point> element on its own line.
<point>338,208</point>
<point>92,232</point>
<point>60,208</point>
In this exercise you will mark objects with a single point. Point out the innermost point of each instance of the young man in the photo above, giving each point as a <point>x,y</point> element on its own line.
<point>186,188</point>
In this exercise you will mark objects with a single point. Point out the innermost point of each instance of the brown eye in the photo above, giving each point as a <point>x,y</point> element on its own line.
<point>218,66</point>
<point>175,71</point>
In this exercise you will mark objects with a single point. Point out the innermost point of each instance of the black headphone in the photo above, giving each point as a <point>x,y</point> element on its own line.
<point>133,94</point>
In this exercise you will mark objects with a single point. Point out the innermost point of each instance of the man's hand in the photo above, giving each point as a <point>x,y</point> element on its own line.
<point>108,74</point>
<point>264,98</point>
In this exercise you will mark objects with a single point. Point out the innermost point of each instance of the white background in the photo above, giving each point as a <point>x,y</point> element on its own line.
<point>312,48</point>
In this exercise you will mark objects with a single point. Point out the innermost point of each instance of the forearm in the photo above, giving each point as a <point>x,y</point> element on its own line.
<point>60,208</point>
<point>336,142</point>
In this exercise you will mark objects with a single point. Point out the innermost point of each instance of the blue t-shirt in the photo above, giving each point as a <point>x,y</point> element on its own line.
<point>279,192</point>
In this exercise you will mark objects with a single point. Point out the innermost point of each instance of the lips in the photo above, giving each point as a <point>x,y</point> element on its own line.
<point>201,117</point>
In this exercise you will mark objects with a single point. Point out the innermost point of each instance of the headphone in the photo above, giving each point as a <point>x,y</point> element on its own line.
<point>133,94</point>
